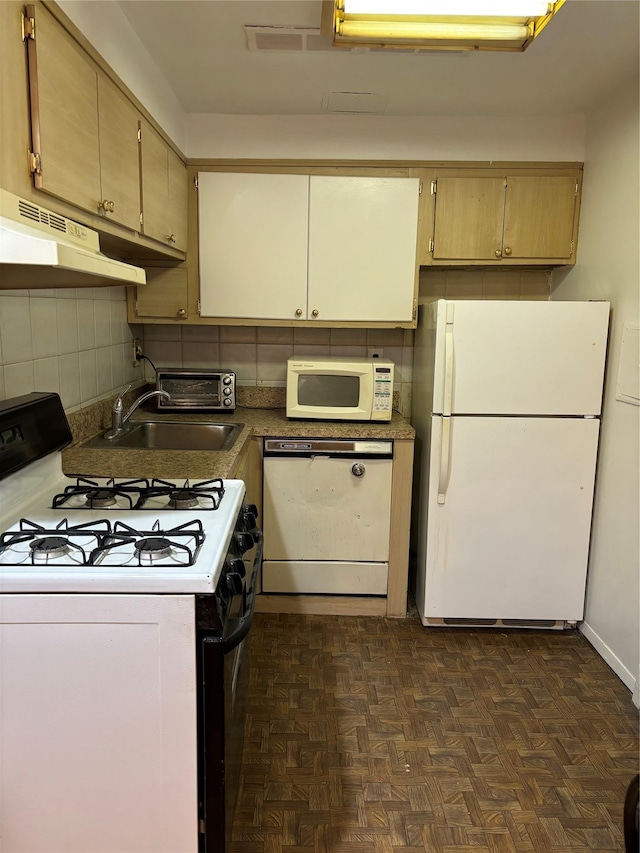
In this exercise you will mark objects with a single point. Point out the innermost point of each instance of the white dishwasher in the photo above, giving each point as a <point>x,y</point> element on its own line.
<point>326,516</point>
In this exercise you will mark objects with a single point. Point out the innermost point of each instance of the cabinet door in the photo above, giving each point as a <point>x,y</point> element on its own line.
<point>362,248</point>
<point>119,155</point>
<point>64,115</point>
<point>469,214</point>
<point>177,204</point>
<point>164,294</point>
<point>155,183</point>
<point>252,232</point>
<point>538,219</point>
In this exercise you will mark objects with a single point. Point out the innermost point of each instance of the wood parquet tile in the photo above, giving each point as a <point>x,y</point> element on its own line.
<point>374,735</point>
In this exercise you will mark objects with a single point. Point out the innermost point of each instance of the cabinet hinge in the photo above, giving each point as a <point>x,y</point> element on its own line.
<point>139,134</point>
<point>571,248</point>
<point>35,163</point>
<point>28,27</point>
<point>141,220</point>
<point>415,309</point>
<point>504,183</point>
<point>195,184</point>
<point>135,308</point>
<point>420,188</point>
<point>434,187</point>
<point>576,192</point>
<point>198,307</point>
<point>431,245</point>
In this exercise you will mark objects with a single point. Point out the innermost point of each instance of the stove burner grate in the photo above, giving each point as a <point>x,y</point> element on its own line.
<point>100,497</point>
<point>180,543</point>
<point>56,545</point>
<point>152,547</point>
<point>183,499</point>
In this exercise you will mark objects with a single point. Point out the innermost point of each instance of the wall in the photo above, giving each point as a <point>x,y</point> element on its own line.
<point>608,268</point>
<point>385,137</point>
<point>73,342</point>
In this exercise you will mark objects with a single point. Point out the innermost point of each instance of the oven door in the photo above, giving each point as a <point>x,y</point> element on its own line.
<point>224,700</point>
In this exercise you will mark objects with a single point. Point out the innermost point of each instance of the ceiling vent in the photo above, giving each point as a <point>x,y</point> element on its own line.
<point>286,38</point>
<point>353,102</point>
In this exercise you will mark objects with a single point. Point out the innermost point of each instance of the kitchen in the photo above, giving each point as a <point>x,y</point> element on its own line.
<point>36,354</point>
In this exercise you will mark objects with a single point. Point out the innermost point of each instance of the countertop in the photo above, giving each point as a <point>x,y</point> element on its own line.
<point>79,460</point>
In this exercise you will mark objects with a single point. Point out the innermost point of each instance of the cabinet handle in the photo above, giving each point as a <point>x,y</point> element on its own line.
<point>298,312</point>
<point>171,238</point>
<point>507,250</point>
<point>112,206</point>
<point>358,470</point>
<point>182,312</point>
<point>314,313</point>
<point>106,205</point>
<point>498,253</point>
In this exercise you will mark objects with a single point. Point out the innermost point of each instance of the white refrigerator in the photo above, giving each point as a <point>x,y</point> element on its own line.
<point>506,405</point>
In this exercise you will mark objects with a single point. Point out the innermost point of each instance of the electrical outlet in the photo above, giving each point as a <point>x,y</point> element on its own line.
<point>375,352</point>
<point>136,347</point>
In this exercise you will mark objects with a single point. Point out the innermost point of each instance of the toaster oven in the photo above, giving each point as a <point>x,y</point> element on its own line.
<point>196,390</point>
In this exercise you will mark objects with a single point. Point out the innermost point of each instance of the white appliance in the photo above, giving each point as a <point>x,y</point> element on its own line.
<point>339,388</point>
<point>39,248</point>
<point>124,608</point>
<point>327,508</point>
<point>506,405</point>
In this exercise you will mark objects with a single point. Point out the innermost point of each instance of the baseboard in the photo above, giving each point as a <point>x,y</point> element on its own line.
<point>611,659</point>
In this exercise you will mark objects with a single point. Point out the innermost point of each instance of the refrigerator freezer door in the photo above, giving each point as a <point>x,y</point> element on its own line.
<point>520,358</point>
<point>511,539</point>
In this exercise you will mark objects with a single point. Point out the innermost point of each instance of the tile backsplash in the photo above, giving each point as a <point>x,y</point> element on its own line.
<point>74,342</point>
<point>78,342</point>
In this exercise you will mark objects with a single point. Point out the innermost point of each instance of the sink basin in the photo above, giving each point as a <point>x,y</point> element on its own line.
<point>172,435</point>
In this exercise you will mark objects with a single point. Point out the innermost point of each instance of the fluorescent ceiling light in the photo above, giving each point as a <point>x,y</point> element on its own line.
<point>507,25</point>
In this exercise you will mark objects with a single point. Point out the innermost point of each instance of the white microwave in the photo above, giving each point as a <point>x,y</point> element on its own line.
<point>339,388</point>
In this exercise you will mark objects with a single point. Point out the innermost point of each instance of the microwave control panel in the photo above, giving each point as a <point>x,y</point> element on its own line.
<point>382,388</point>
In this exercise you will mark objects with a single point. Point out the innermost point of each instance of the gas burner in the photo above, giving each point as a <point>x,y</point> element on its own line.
<point>87,494</point>
<point>183,499</point>
<point>49,546</point>
<point>153,547</point>
<point>100,498</point>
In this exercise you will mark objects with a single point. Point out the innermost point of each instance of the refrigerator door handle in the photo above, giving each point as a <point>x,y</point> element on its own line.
<point>448,362</point>
<point>445,453</point>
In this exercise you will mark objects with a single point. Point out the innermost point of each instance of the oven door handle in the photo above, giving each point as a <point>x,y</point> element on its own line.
<point>241,626</point>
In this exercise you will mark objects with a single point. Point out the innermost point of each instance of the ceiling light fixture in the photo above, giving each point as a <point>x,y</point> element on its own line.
<point>506,25</point>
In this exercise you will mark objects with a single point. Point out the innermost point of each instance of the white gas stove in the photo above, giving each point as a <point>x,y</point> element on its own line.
<point>63,534</point>
<point>124,610</point>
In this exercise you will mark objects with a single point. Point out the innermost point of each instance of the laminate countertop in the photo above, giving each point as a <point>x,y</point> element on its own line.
<point>80,460</point>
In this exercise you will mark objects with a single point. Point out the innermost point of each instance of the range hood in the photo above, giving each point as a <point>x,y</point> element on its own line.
<point>41,249</point>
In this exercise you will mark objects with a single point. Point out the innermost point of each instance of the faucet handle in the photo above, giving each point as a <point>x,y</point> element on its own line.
<point>122,393</point>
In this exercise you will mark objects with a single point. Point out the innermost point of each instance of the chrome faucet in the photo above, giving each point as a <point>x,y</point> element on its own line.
<point>119,417</point>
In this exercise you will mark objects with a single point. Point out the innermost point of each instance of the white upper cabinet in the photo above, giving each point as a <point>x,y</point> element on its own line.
<point>314,248</point>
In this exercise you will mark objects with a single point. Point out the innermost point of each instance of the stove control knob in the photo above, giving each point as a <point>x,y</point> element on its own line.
<point>244,541</point>
<point>234,583</point>
<point>252,508</point>
<point>227,401</point>
<point>237,566</point>
<point>249,519</point>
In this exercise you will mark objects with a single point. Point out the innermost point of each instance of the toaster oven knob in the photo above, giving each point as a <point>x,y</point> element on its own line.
<point>227,401</point>
<point>226,380</point>
<point>234,583</point>
<point>227,392</point>
<point>237,566</point>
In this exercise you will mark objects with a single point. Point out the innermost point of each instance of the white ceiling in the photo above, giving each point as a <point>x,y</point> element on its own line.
<point>200,48</point>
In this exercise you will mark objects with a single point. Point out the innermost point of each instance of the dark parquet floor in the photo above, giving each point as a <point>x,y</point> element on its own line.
<point>374,735</point>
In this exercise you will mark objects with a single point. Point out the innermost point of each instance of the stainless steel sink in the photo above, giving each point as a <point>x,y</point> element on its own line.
<point>171,435</point>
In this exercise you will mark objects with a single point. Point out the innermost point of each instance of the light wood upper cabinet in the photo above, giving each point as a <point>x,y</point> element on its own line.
<point>164,190</point>
<point>318,248</point>
<point>505,219</point>
<point>84,130</point>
